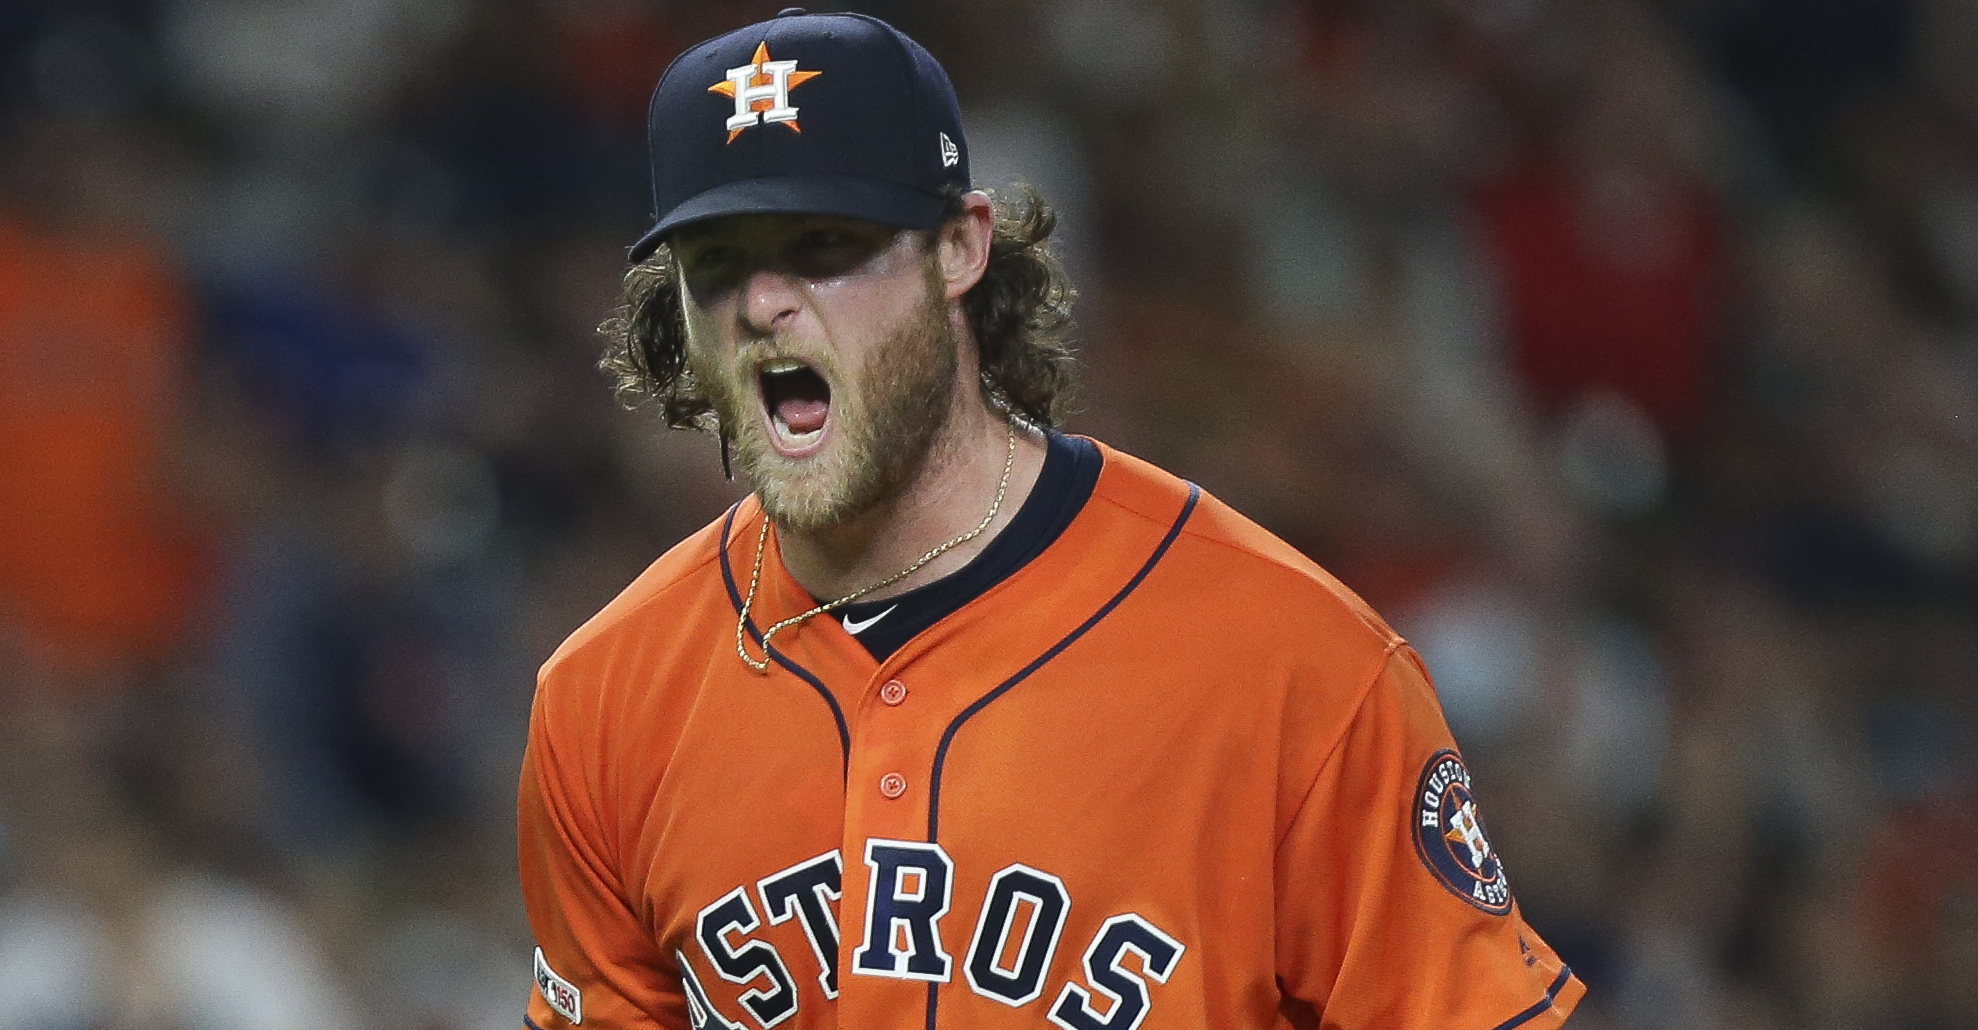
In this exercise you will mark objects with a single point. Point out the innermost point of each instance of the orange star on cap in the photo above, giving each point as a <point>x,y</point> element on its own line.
<point>760,78</point>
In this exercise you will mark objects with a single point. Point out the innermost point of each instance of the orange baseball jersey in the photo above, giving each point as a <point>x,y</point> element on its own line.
<point>1168,774</point>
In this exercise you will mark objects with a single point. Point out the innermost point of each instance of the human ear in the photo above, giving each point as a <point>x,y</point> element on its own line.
<point>962,245</point>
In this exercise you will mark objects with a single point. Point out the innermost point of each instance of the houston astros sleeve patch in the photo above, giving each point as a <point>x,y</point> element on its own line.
<point>1450,837</point>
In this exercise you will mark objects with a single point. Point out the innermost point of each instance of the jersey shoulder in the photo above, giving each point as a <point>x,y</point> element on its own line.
<point>1240,571</point>
<point>683,588</point>
<point>1244,615</point>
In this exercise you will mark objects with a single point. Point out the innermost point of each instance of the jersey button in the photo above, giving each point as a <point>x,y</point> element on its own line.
<point>893,692</point>
<point>892,785</point>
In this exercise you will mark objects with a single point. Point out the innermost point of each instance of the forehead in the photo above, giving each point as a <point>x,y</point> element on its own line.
<point>758,229</point>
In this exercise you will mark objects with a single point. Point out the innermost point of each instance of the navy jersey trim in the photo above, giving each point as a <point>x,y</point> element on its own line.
<point>1071,471</point>
<point>1565,974</point>
<point>941,752</point>
<point>735,599</point>
<point>531,1024</point>
<point>947,737</point>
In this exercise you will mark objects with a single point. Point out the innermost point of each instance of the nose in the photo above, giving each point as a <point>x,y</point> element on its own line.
<point>770,299</point>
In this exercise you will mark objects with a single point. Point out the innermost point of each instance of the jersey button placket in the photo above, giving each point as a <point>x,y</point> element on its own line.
<point>894,693</point>
<point>892,785</point>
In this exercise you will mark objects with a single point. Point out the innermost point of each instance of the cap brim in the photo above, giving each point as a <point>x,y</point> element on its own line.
<point>874,200</point>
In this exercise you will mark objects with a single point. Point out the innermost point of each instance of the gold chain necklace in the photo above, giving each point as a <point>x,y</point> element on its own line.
<point>755,575</point>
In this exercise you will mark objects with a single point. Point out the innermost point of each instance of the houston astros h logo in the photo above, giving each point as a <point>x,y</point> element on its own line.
<point>1450,837</point>
<point>761,91</point>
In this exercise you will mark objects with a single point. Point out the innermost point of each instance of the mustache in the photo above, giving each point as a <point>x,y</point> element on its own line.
<point>750,353</point>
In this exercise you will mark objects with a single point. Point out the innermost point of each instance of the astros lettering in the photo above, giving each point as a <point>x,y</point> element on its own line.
<point>1104,816</point>
<point>1022,920</point>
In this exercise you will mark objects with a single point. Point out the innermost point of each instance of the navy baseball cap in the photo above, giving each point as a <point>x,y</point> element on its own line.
<point>832,114</point>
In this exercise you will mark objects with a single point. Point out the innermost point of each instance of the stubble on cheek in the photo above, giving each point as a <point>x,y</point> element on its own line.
<point>885,416</point>
<point>906,396</point>
<point>728,382</point>
<point>717,381</point>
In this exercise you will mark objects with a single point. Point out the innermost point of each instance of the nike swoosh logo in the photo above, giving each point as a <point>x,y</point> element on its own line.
<point>855,628</point>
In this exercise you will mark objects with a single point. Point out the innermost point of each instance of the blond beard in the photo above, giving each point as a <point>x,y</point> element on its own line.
<point>886,422</point>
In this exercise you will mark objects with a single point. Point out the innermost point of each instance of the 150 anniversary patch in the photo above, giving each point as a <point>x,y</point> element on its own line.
<point>1449,835</point>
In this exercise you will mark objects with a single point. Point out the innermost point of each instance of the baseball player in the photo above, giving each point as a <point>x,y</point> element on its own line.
<point>958,721</point>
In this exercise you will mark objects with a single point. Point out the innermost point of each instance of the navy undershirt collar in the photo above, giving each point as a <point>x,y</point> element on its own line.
<point>1071,470</point>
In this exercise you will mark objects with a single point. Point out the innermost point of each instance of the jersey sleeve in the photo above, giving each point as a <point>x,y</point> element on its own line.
<point>594,962</point>
<point>1394,909</point>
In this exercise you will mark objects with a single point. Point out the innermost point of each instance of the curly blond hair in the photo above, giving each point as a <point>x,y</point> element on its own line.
<point>1020,312</point>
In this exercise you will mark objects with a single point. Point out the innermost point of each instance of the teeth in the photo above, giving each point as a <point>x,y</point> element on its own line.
<point>782,365</point>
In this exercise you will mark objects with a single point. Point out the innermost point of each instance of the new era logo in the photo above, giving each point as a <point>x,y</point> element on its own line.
<point>562,995</point>
<point>951,155</point>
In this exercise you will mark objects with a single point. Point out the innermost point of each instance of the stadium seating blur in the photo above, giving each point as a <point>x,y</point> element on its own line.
<point>1623,353</point>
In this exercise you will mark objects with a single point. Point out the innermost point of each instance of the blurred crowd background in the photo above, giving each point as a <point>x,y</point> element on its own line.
<point>1624,353</point>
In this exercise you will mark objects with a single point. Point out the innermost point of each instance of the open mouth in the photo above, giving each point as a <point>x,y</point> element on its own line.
<point>798,402</point>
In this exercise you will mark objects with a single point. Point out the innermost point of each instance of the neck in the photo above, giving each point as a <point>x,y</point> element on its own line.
<point>954,489</point>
